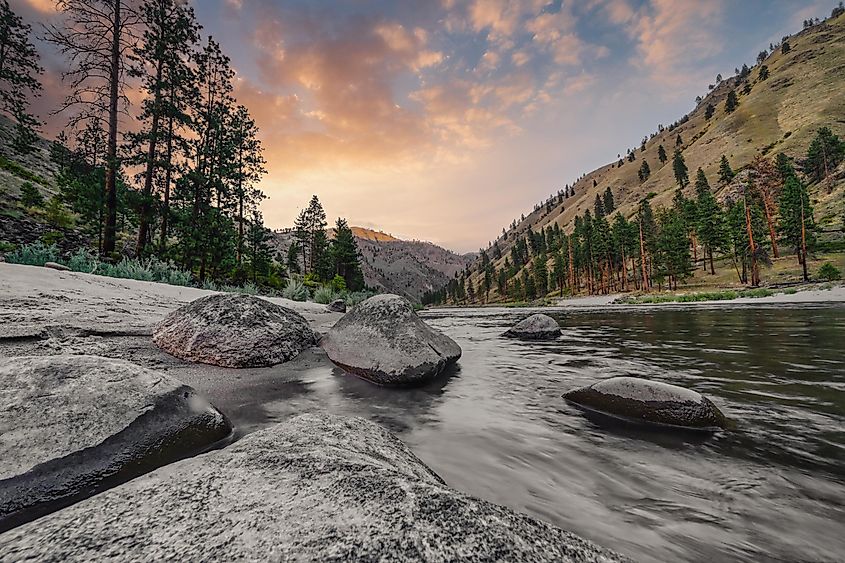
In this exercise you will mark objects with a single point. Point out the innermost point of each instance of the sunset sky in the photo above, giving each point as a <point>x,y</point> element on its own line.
<point>444,120</point>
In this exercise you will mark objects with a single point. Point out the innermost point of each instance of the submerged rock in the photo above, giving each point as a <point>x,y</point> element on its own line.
<point>71,426</point>
<point>315,488</point>
<point>650,401</point>
<point>383,340</point>
<point>233,330</point>
<point>535,327</point>
<point>337,306</point>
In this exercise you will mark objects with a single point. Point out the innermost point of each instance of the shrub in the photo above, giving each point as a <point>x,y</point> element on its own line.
<point>150,269</point>
<point>248,288</point>
<point>210,285</point>
<point>30,196</point>
<point>356,297</point>
<point>829,272</point>
<point>83,261</point>
<point>325,294</point>
<point>35,254</point>
<point>57,214</point>
<point>338,283</point>
<point>295,291</point>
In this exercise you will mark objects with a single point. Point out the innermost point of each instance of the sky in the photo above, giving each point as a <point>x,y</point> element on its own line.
<point>443,120</point>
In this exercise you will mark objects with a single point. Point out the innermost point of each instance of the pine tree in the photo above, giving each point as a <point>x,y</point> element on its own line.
<point>258,249</point>
<point>709,111</point>
<point>598,206</point>
<point>796,225</point>
<point>293,258</point>
<point>726,174</point>
<point>763,74</point>
<point>19,71</point>
<point>346,257</point>
<point>767,184</point>
<point>97,38</point>
<point>731,102</point>
<point>709,218</point>
<point>673,247</point>
<point>661,154</point>
<point>30,196</point>
<point>644,172</point>
<point>679,142</point>
<point>785,48</point>
<point>609,204</point>
<point>824,155</point>
<point>679,166</point>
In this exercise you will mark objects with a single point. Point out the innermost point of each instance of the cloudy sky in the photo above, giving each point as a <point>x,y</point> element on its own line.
<point>443,120</point>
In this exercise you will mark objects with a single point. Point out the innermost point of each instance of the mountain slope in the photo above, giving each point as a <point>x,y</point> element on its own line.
<point>780,114</point>
<point>407,268</point>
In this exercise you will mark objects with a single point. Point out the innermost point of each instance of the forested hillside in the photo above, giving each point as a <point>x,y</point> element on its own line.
<point>724,189</point>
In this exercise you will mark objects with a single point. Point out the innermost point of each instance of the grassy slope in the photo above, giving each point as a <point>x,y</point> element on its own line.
<point>803,92</point>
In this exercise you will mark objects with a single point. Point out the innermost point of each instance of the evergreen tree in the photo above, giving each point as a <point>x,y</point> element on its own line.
<point>767,184</point>
<point>19,72</point>
<point>97,39</point>
<point>709,218</point>
<point>679,166</point>
<point>673,247</point>
<point>824,155</point>
<point>661,154</point>
<point>598,206</point>
<point>609,204</point>
<point>709,111</point>
<point>726,174</point>
<point>346,257</point>
<point>679,142</point>
<point>785,48</point>
<point>30,196</point>
<point>293,258</point>
<point>731,102</point>
<point>258,249</point>
<point>796,225</point>
<point>644,172</point>
<point>763,74</point>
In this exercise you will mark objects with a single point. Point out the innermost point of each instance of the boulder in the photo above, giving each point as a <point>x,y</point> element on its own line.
<point>314,488</point>
<point>56,266</point>
<point>71,426</point>
<point>337,306</point>
<point>384,341</point>
<point>234,330</point>
<point>535,327</point>
<point>650,402</point>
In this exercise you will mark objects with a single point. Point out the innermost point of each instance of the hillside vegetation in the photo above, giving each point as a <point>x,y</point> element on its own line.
<point>778,111</point>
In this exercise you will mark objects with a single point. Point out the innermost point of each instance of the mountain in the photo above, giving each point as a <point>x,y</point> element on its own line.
<point>781,113</point>
<point>405,267</point>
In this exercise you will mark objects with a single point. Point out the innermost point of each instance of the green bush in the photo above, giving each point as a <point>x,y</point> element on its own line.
<point>829,272</point>
<point>57,214</point>
<point>248,288</point>
<point>83,261</point>
<point>325,294</point>
<point>6,246</point>
<point>150,269</point>
<point>30,196</point>
<point>210,285</point>
<point>356,297</point>
<point>295,291</point>
<point>338,283</point>
<point>36,254</point>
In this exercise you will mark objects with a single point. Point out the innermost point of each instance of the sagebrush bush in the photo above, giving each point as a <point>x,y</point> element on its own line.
<point>829,272</point>
<point>248,288</point>
<point>83,261</point>
<point>149,269</point>
<point>295,291</point>
<point>35,254</point>
<point>325,294</point>
<point>355,297</point>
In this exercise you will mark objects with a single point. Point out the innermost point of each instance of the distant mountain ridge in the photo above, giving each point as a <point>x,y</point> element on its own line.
<point>403,267</point>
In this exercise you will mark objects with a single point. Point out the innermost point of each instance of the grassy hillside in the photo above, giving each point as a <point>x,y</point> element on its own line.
<point>780,114</point>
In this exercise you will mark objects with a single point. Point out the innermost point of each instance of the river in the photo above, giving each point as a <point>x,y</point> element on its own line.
<point>497,427</point>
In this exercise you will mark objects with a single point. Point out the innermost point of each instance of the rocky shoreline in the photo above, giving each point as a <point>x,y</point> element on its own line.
<point>316,486</point>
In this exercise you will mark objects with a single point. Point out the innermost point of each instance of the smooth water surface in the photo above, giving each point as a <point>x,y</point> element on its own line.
<point>497,427</point>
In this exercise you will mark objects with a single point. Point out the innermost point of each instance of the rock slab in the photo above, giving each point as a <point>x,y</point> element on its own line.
<point>56,266</point>
<point>234,330</point>
<point>314,488</point>
<point>384,341</point>
<point>71,426</point>
<point>651,402</point>
<point>535,327</point>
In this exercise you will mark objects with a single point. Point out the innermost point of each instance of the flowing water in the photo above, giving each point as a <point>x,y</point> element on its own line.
<point>497,427</point>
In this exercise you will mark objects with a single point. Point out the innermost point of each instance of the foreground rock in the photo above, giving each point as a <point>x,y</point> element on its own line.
<point>233,330</point>
<point>651,402</point>
<point>383,340</point>
<point>337,306</point>
<point>315,488</point>
<point>535,327</point>
<point>71,426</point>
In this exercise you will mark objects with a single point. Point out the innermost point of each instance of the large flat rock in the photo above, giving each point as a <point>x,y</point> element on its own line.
<point>71,426</point>
<point>315,488</point>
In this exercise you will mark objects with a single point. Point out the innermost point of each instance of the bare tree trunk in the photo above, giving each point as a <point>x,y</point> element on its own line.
<point>770,221</point>
<point>146,195</point>
<point>165,211</point>
<point>755,276</point>
<point>804,243</point>
<point>642,257</point>
<point>110,238</point>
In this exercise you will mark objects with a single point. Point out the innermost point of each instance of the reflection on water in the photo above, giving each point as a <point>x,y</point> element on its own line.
<point>496,427</point>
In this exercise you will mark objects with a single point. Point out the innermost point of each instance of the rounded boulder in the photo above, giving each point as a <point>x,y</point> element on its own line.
<point>651,402</point>
<point>535,327</point>
<point>384,341</point>
<point>72,426</point>
<point>234,330</point>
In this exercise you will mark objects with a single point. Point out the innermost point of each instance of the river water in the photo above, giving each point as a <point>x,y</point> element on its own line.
<point>497,427</point>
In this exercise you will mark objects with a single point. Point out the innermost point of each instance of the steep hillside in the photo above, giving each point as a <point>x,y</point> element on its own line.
<point>408,268</point>
<point>782,113</point>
